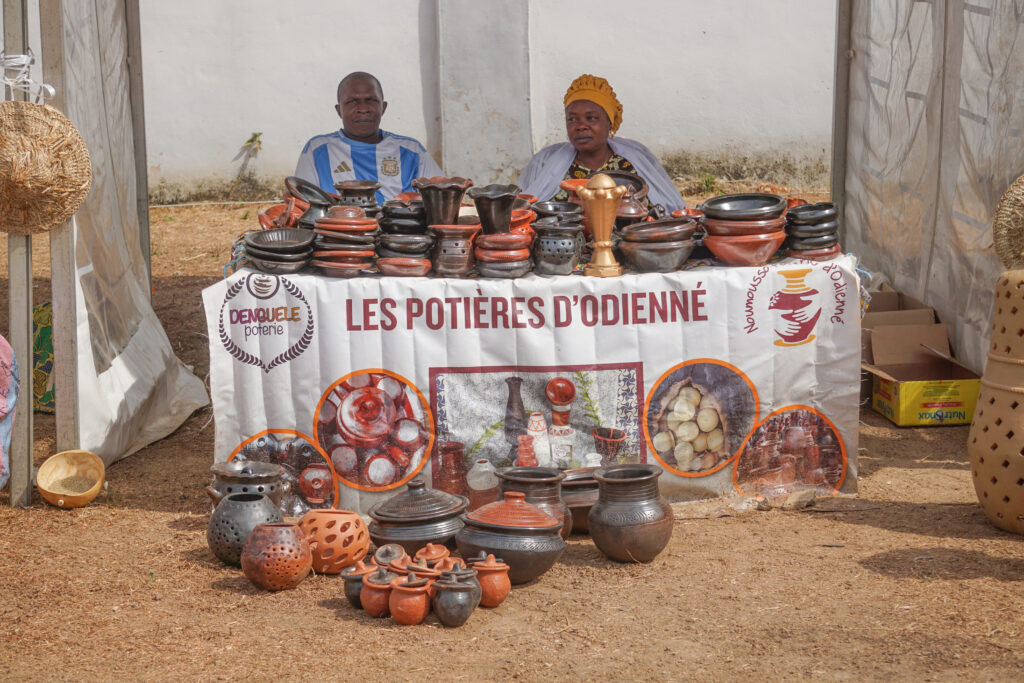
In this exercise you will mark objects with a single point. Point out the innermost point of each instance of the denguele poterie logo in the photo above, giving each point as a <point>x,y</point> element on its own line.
<point>797,305</point>
<point>259,310</point>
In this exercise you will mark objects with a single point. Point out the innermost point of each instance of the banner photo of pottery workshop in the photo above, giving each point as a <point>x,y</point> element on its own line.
<point>612,341</point>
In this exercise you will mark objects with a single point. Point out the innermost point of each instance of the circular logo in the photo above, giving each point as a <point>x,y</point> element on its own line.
<point>262,286</point>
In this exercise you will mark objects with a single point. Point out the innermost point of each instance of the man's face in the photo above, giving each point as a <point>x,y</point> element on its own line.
<point>361,107</point>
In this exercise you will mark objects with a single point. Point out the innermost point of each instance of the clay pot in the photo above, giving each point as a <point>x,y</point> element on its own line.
<point>557,249</point>
<point>744,206</point>
<point>432,553</point>
<point>409,601</point>
<point>469,578</point>
<point>494,584</point>
<point>353,577</point>
<point>580,492</point>
<point>453,602</point>
<point>732,228</point>
<point>365,417</point>
<point>630,522</point>
<point>453,251</point>
<point>276,556</point>
<point>420,569</point>
<point>247,476</point>
<point>482,483</point>
<point>404,267</point>
<point>234,519</point>
<point>500,255</point>
<point>607,442</point>
<point>543,488</point>
<point>358,192</point>
<point>657,257</point>
<point>449,563</point>
<point>812,214</point>
<point>752,250</point>
<point>664,230</point>
<point>503,242</point>
<point>505,271</point>
<point>442,197</point>
<point>816,230</point>
<point>494,206</point>
<point>417,516</point>
<point>523,534</point>
<point>377,591</point>
<point>337,539</point>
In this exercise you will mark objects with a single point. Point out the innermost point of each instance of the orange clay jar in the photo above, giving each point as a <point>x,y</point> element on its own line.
<point>376,592</point>
<point>494,584</point>
<point>409,601</point>
<point>432,553</point>
<point>337,538</point>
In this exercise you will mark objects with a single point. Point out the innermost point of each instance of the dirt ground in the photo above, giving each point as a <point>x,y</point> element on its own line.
<point>906,581</point>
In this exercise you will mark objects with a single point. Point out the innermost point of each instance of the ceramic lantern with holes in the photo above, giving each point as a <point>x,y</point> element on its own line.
<point>996,440</point>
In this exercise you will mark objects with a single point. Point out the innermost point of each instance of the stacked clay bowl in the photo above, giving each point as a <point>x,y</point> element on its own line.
<point>812,231</point>
<point>346,240</point>
<point>280,251</point>
<point>660,246</point>
<point>403,249</point>
<point>504,255</point>
<point>403,218</point>
<point>744,229</point>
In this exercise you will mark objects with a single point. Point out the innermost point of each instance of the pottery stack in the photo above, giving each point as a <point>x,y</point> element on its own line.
<point>502,255</point>
<point>812,231</point>
<point>361,193</point>
<point>744,229</point>
<point>558,248</point>
<point>345,243</point>
<point>280,251</point>
<point>660,246</point>
<point>403,249</point>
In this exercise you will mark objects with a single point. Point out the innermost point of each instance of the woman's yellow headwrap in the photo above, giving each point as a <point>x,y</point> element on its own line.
<point>596,90</point>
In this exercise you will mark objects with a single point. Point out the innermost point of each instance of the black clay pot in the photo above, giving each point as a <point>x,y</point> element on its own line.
<point>557,248</point>
<point>416,517</point>
<point>543,488</point>
<point>812,214</point>
<point>442,197</point>
<point>494,206</point>
<point>580,491</point>
<point>353,578</point>
<point>234,519</point>
<point>506,271</point>
<point>747,206</point>
<point>816,230</point>
<point>402,226</point>
<point>454,600</point>
<point>630,522</point>
<point>821,242</point>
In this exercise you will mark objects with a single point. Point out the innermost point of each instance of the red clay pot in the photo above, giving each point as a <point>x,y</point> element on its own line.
<point>752,250</point>
<point>376,592</point>
<point>501,255</point>
<point>409,601</point>
<point>276,556</point>
<point>505,241</point>
<point>337,539</point>
<point>824,254</point>
<point>404,267</point>
<point>725,227</point>
<point>494,584</point>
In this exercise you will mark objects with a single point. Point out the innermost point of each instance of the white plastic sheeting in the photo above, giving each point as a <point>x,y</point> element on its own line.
<point>936,135</point>
<point>132,389</point>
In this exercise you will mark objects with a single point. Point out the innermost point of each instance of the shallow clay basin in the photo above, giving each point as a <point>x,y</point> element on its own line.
<point>747,250</point>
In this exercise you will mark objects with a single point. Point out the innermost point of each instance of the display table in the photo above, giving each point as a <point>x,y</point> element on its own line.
<point>357,385</point>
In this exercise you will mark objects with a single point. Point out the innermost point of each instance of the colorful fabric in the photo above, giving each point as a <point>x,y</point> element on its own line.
<point>394,162</point>
<point>597,90</point>
<point>10,384</point>
<point>617,162</point>
<point>42,358</point>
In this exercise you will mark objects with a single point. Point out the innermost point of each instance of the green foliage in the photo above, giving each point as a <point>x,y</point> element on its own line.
<point>250,148</point>
<point>484,438</point>
<point>583,386</point>
<point>708,183</point>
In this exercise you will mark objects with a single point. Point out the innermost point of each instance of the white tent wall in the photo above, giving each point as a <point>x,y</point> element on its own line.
<point>936,135</point>
<point>131,388</point>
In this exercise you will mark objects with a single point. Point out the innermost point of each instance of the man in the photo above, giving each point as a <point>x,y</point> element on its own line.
<point>361,150</point>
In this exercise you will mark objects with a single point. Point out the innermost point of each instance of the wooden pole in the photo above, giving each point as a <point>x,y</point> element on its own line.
<point>19,293</point>
<point>62,254</point>
<point>841,105</point>
<point>134,47</point>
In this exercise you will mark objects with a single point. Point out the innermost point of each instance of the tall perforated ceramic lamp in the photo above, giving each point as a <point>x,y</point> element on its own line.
<point>996,440</point>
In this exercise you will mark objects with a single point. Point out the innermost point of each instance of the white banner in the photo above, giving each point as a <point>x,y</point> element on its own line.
<point>731,379</point>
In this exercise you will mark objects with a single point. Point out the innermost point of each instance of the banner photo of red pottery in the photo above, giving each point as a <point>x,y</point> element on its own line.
<point>311,484</point>
<point>375,428</point>
<point>564,417</point>
<point>451,378</point>
<point>793,448</point>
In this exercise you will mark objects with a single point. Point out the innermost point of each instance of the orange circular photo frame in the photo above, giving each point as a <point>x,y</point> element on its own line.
<point>410,404</point>
<point>742,407</point>
<point>294,463</point>
<point>767,429</point>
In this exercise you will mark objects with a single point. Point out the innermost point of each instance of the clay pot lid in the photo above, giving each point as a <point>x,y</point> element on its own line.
<point>381,577</point>
<point>411,583</point>
<point>432,552</point>
<point>447,564</point>
<point>441,182</point>
<point>514,512</point>
<point>248,470</point>
<point>490,563</point>
<point>419,504</point>
<point>421,569</point>
<point>357,571</point>
<point>560,391</point>
<point>388,553</point>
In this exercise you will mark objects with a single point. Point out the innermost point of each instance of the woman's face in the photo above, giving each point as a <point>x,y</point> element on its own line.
<point>587,126</point>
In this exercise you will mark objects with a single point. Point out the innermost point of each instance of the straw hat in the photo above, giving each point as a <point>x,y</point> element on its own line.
<point>45,171</point>
<point>1008,225</point>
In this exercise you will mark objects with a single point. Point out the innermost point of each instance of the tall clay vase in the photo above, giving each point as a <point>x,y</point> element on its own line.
<point>442,197</point>
<point>337,539</point>
<point>494,206</point>
<point>543,488</point>
<point>515,411</point>
<point>630,522</point>
<point>276,556</point>
<point>995,443</point>
<point>234,519</point>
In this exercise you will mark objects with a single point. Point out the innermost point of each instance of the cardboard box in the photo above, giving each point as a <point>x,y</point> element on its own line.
<point>888,307</point>
<point>915,379</point>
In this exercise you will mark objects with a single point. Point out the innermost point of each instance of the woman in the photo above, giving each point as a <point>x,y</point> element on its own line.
<point>592,115</point>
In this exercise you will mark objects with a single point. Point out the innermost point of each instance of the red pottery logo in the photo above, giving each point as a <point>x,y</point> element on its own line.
<point>800,306</point>
<point>260,309</point>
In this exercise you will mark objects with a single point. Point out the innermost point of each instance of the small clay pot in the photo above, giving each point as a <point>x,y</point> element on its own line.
<point>630,522</point>
<point>558,247</point>
<point>337,539</point>
<point>377,591</point>
<point>607,442</point>
<point>494,206</point>
<point>453,252</point>
<point>657,257</point>
<point>453,602</point>
<point>492,574</point>
<point>234,519</point>
<point>752,250</point>
<point>543,488</point>
<point>276,556</point>
<point>404,267</point>
<point>442,197</point>
<point>409,601</point>
<point>432,553</point>
<point>353,578</point>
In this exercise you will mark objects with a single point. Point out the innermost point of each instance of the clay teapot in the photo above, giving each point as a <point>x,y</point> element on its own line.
<point>247,476</point>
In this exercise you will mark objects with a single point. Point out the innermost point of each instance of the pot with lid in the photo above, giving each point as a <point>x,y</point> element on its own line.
<point>247,476</point>
<point>417,516</point>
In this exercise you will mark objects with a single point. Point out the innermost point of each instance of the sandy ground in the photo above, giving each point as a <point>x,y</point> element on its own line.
<point>906,581</point>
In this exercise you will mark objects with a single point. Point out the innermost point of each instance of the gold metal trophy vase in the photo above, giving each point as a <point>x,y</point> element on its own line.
<point>601,198</point>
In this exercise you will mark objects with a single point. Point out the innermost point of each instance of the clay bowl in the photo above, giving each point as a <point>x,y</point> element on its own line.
<point>557,209</point>
<point>402,226</point>
<point>687,211</point>
<point>404,267</point>
<point>414,211</point>
<point>530,198</point>
<point>363,238</point>
<point>271,217</point>
<point>747,250</point>
<point>280,240</point>
<point>657,257</point>
<point>346,211</point>
<point>276,267</point>
<point>408,197</point>
<point>826,254</point>
<point>812,214</point>
<point>733,228</point>
<point>384,252</point>
<point>507,270</point>
<point>407,243</point>
<point>506,241</point>
<point>572,184</point>
<point>59,467</point>
<point>345,256</point>
<point>808,243</point>
<point>332,269</point>
<point>357,225</point>
<point>664,230</point>
<point>308,192</point>
<point>815,230</point>
<point>279,257</point>
<point>501,255</point>
<point>324,244</point>
<point>745,206</point>
<point>521,217</point>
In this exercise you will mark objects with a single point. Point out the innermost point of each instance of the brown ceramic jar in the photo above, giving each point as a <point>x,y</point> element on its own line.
<point>630,522</point>
<point>543,488</point>
<point>494,583</point>
<point>276,556</point>
<point>376,591</point>
<point>353,577</point>
<point>337,538</point>
<point>409,601</point>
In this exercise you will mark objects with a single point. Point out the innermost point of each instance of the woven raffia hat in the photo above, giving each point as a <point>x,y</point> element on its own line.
<point>1008,226</point>
<point>45,172</point>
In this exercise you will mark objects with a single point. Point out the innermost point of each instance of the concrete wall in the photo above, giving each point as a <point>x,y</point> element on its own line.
<point>730,77</point>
